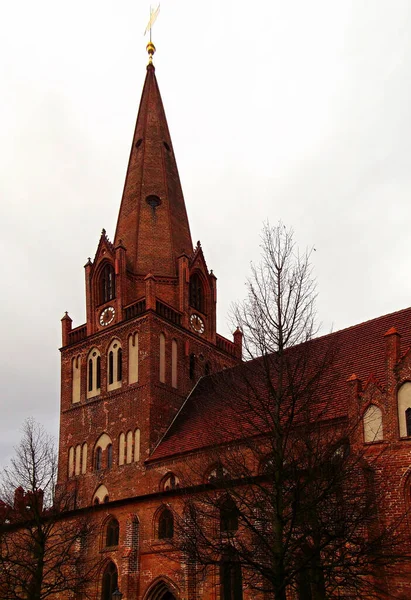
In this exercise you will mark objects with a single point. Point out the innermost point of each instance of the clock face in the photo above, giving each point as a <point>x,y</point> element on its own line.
<point>197,323</point>
<point>107,316</point>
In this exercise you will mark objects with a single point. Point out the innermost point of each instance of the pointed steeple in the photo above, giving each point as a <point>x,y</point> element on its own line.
<point>152,223</point>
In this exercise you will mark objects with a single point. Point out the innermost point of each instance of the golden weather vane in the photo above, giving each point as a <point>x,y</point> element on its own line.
<point>150,46</point>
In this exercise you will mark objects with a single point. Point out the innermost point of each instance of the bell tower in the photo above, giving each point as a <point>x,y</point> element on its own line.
<point>150,330</point>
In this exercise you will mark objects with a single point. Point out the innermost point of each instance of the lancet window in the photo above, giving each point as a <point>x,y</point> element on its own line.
<point>107,283</point>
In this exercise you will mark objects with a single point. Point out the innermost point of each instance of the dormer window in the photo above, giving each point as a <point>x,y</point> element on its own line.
<point>107,283</point>
<point>196,293</point>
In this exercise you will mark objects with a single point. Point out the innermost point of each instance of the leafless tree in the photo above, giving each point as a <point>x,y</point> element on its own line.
<point>290,504</point>
<point>43,549</point>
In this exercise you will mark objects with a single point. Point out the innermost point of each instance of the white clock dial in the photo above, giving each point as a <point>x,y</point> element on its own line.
<point>197,323</point>
<point>107,316</point>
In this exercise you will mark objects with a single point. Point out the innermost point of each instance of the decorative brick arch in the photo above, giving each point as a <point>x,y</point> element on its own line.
<point>162,589</point>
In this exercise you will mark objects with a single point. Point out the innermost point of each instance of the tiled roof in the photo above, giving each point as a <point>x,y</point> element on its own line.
<point>207,419</point>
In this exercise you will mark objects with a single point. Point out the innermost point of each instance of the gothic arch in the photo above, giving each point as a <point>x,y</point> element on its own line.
<point>100,495</point>
<point>105,282</point>
<point>404,403</point>
<point>108,579</point>
<point>162,589</point>
<point>373,423</point>
<point>198,288</point>
<point>114,356</point>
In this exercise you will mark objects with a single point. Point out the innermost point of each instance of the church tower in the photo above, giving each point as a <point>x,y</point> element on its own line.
<point>150,332</point>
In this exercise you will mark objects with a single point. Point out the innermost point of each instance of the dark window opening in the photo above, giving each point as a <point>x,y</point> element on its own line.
<point>96,501</point>
<point>171,483</point>
<point>166,525</point>
<point>192,365</point>
<point>90,375</point>
<point>231,578</point>
<point>97,460</point>
<point>105,499</point>
<point>408,420</point>
<point>207,368</point>
<point>218,474</point>
<point>228,516</point>
<point>110,582</point>
<point>98,378</point>
<point>196,293</point>
<point>110,367</point>
<point>112,533</point>
<point>107,284</point>
<point>109,456</point>
<point>119,364</point>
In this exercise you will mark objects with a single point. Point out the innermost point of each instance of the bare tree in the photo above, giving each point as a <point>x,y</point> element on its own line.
<point>290,506</point>
<point>43,549</point>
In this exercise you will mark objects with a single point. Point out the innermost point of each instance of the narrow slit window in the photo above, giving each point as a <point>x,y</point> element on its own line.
<point>119,364</point>
<point>408,421</point>
<point>109,456</point>
<point>98,378</point>
<point>90,375</point>
<point>110,367</point>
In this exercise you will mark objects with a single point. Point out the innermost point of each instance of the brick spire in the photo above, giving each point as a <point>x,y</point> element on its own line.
<point>152,223</point>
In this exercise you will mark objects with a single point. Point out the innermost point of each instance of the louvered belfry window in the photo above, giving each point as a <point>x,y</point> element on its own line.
<point>107,284</point>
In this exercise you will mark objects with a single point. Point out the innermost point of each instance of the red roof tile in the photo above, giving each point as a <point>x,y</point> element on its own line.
<point>207,419</point>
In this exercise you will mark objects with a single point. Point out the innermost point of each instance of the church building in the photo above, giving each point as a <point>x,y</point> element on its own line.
<point>136,402</point>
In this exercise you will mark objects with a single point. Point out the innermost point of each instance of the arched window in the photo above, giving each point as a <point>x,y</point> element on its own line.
<point>76,379</point>
<point>129,447</point>
<point>71,462</point>
<point>112,532</point>
<point>115,365</point>
<point>93,373</point>
<point>90,374</point>
<point>166,525</point>
<point>110,581</point>
<point>100,495</point>
<point>404,403</point>
<point>174,349</point>
<point>373,424</point>
<point>196,292</point>
<point>103,445</point>
<point>228,516</point>
<point>162,373</point>
<point>408,420</point>
<point>170,482</point>
<point>77,467</point>
<point>84,458</point>
<point>133,358</point>
<point>121,448</point>
<point>107,283</point>
<point>231,584</point>
<point>98,459</point>
<point>109,451</point>
<point>218,474</point>
<point>98,374</point>
<point>136,445</point>
<point>119,364</point>
<point>110,367</point>
<point>192,366</point>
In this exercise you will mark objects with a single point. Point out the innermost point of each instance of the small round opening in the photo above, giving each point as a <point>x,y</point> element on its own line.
<point>167,147</point>
<point>153,201</point>
<point>139,142</point>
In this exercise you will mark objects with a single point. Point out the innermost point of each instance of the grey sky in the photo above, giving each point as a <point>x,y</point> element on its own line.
<point>295,110</point>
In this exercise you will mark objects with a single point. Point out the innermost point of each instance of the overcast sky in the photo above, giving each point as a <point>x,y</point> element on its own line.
<point>295,110</point>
